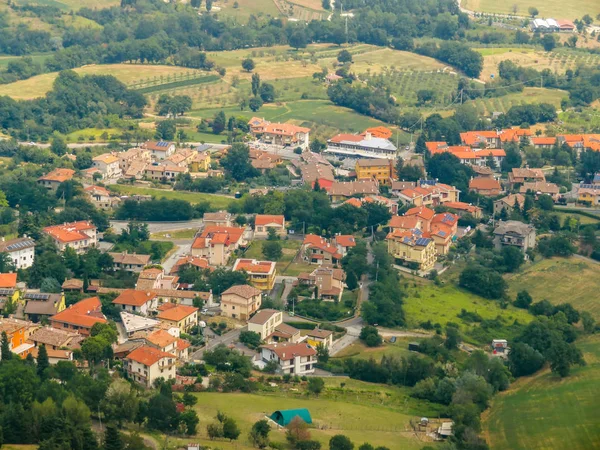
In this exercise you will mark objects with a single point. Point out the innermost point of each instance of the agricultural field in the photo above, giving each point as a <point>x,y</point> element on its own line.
<point>72,5</point>
<point>486,106</point>
<point>216,201</point>
<point>362,422</point>
<point>442,304</point>
<point>557,9</point>
<point>545,412</point>
<point>128,73</point>
<point>245,9</point>
<point>561,280</point>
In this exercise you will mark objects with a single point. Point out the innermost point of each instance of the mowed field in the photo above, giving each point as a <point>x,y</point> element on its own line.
<point>216,201</point>
<point>558,9</point>
<point>128,73</point>
<point>379,426</point>
<point>245,8</point>
<point>561,280</point>
<point>486,106</point>
<point>544,412</point>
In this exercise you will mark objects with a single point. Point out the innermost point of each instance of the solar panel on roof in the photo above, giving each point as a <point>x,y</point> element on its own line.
<point>422,241</point>
<point>7,291</point>
<point>36,296</point>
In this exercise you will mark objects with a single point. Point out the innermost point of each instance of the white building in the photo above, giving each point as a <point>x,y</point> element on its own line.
<point>264,322</point>
<point>147,364</point>
<point>361,146</point>
<point>291,358</point>
<point>80,236</point>
<point>160,150</point>
<point>20,250</point>
<point>108,165</point>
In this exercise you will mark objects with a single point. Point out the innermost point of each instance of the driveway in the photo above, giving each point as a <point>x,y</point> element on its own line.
<point>226,339</point>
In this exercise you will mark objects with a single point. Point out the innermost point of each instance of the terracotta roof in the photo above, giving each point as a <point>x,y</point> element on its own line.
<point>510,199</point>
<point>195,261</point>
<point>264,219</point>
<point>287,350</point>
<point>8,280</point>
<point>421,211</point>
<point>404,222</point>
<point>182,344</point>
<point>474,137</point>
<point>215,234</point>
<point>445,218</point>
<point>147,355</point>
<point>161,338</point>
<point>253,266</point>
<point>434,146</point>
<point>284,129</point>
<point>542,140</point>
<point>132,297</point>
<point>53,336</point>
<point>97,190</point>
<point>130,258</point>
<point>286,329</point>
<point>216,216</point>
<point>244,290</point>
<point>350,188</point>
<point>379,132</point>
<point>263,316</point>
<point>312,240</point>
<point>484,184</point>
<point>166,306</point>
<point>356,202</point>
<point>70,232</point>
<point>319,333</point>
<point>85,313</point>
<point>58,175</point>
<point>178,313</point>
<point>524,172</point>
<point>345,240</point>
<point>158,146</point>
<point>540,186</point>
<point>346,137</point>
<point>462,206</point>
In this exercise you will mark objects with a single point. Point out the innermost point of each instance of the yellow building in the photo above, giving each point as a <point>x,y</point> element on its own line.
<point>200,162</point>
<point>382,170</point>
<point>413,250</point>
<point>589,195</point>
<point>180,316</point>
<point>261,274</point>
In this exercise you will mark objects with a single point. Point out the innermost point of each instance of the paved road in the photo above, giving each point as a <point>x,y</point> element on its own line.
<point>226,339</point>
<point>182,249</point>
<point>157,227</point>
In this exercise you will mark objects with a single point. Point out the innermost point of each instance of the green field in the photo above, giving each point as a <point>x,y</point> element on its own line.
<point>187,233</point>
<point>556,9</point>
<point>486,106</point>
<point>246,8</point>
<point>561,280</point>
<point>36,57</point>
<point>359,350</point>
<point>584,220</point>
<point>361,422</point>
<point>216,201</point>
<point>442,304</point>
<point>39,85</point>
<point>68,5</point>
<point>544,412</point>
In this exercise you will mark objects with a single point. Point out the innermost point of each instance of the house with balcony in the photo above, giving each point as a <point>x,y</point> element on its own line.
<point>179,316</point>
<point>147,364</point>
<point>216,244</point>
<point>291,358</point>
<point>101,197</point>
<point>20,250</point>
<point>240,301</point>
<point>108,165</point>
<point>279,134</point>
<point>328,281</point>
<point>514,233</point>
<point>261,274</point>
<point>159,150</point>
<point>80,236</point>
<point>318,250</point>
<point>410,248</point>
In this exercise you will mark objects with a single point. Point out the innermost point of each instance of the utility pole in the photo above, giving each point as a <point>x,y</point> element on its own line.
<point>461,96</point>
<point>346,30</point>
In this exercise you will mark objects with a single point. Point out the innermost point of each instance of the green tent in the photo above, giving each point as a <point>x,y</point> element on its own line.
<point>285,416</point>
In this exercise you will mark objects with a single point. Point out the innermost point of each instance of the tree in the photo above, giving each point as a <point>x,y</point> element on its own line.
<point>250,338</point>
<point>50,285</point>
<point>248,64</point>
<point>322,353</point>
<point>58,146</point>
<point>6,353</point>
<point>298,39</point>
<point>562,355</point>
<point>190,420</point>
<point>452,337</point>
<point>588,322</point>
<point>165,130</point>
<point>370,336</point>
<point>120,403</point>
<point>237,163</point>
<point>162,413</point>
<point>272,250</point>
<point>548,42</point>
<point>315,385</point>
<point>219,123</point>
<point>259,434</point>
<point>344,57</point>
<point>42,362</point>
<point>189,399</point>
<point>351,281</point>
<point>524,360</point>
<point>112,438</point>
<point>209,5</point>
<point>231,430</point>
<point>523,300</point>
<point>297,431</point>
<point>255,84</point>
<point>340,442</point>
<point>255,104</point>
<point>533,11</point>
<point>513,258</point>
<point>267,92</point>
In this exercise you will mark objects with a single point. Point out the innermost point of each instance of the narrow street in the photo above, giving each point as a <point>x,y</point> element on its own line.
<point>226,339</point>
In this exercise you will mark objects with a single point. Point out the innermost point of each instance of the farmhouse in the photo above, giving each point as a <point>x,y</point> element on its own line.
<point>101,197</point>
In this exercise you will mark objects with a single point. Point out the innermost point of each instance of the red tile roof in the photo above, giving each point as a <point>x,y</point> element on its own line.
<point>378,132</point>
<point>345,240</point>
<point>132,297</point>
<point>70,232</point>
<point>462,206</point>
<point>286,351</point>
<point>58,175</point>
<point>85,313</point>
<point>161,338</point>
<point>264,219</point>
<point>404,222</point>
<point>253,266</point>
<point>178,313</point>
<point>8,280</point>
<point>485,184</point>
<point>421,211</point>
<point>147,355</point>
<point>244,290</point>
<point>218,235</point>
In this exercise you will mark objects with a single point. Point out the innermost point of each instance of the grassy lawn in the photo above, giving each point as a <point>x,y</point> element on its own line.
<point>74,5</point>
<point>96,133</point>
<point>128,73</point>
<point>561,280</point>
<point>216,201</point>
<point>442,304</point>
<point>529,95</point>
<point>246,8</point>
<point>544,412</point>
<point>550,8</point>
<point>289,249</point>
<point>188,233</point>
<point>360,351</point>
<point>584,220</point>
<point>296,269</point>
<point>377,58</point>
<point>360,422</point>
<point>36,57</point>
